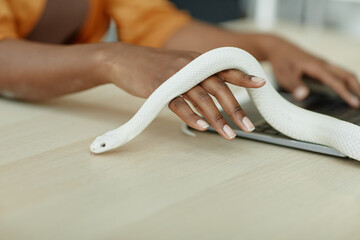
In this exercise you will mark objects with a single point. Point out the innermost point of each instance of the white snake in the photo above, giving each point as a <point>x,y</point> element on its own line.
<point>287,118</point>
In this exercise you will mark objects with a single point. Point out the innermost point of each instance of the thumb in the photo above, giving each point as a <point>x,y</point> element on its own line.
<point>293,84</point>
<point>300,92</point>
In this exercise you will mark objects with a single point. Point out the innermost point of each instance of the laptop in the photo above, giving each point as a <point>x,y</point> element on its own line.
<point>322,100</point>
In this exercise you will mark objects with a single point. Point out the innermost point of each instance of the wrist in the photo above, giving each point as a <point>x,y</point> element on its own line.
<point>265,43</point>
<point>99,66</point>
<point>97,61</point>
<point>109,65</point>
<point>269,43</point>
<point>259,45</point>
<point>85,63</point>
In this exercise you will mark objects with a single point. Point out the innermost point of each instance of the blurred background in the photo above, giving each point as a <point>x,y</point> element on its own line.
<point>343,15</point>
<point>339,15</point>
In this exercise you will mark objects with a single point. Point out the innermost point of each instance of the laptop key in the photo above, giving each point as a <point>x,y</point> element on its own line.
<point>271,131</point>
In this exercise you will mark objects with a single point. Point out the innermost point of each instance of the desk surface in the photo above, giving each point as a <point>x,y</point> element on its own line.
<point>165,185</point>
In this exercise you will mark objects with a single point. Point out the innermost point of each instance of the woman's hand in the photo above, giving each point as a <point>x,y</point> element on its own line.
<point>140,70</point>
<point>290,63</point>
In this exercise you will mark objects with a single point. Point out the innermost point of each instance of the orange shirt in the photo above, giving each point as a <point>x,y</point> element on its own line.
<point>141,22</point>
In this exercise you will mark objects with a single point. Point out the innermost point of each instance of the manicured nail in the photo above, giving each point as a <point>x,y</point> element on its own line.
<point>354,101</point>
<point>257,79</point>
<point>201,123</point>
<point>248,124</point>
<point>300,93</point>
<point>228,131</point>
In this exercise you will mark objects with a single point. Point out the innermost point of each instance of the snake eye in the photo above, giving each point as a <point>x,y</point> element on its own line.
<point>103,145</point>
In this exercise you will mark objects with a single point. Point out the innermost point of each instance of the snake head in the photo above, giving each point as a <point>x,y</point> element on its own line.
<point>107,142</point>
<point>102,144</point>
<point>99,145</point>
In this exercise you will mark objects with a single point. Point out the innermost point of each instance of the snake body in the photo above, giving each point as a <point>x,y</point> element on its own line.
<point>282,115</point>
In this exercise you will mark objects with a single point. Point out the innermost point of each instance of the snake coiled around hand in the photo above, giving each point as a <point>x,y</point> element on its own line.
<point>282,115</point>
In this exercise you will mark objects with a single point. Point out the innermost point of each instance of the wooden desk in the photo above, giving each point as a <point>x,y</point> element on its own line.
<point>165,185</point>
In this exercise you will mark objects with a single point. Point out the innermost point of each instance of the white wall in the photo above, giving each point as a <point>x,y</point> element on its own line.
<point>343,15</point>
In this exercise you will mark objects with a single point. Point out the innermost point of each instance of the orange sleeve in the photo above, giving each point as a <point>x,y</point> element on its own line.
<point>146,22</point>
<point>7,21</point>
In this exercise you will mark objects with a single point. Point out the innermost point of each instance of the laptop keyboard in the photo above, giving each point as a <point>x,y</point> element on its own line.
<point>336,108</point>
<point>265,128</point>
<point>324,105</point>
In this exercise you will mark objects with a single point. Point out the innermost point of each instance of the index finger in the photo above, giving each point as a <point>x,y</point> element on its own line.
<point>336,84</point>
<point>349,78</point>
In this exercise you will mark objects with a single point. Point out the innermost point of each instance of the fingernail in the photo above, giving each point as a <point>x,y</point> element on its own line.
<point>228,131</point>
<point>354,101</point>
<point>257,79</point>
<point>202,123</point>
<point>300,93</point>
<point>248,124</point>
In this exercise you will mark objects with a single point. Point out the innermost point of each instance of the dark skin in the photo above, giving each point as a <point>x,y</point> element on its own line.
<point>56,70</point>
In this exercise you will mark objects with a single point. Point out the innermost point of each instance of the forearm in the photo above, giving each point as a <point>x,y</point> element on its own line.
<point>201,37</point>
<point>33,71</point>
